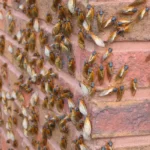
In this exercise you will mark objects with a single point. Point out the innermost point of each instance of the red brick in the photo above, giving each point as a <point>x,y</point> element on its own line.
<point>120,119</point>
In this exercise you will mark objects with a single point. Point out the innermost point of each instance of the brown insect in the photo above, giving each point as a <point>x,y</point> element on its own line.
<point>112,37</point>
<point>109,145</point>
<point>87,128</point>
<point>57,28</point>
<point>123,71</point>
<point>58,62</point>
<point>110,70</point>
<point>110,21</point>
<point>107,54</point>
<point>85,68</point>
<point>100,74</point>
<point>59,104</point>
<point>120,93</point>
<point>100,20</point>
<point>81,42</point>
<point>71,6</point>
<point>2,44</point>
<point>75,115</point>
<point>90,14</point>
<point>71,65</point>
<point>90,75</point>
<point>55,4</point>
<point>128,10</point>
<point>11,26</point>
<point>32,11</point>
<point>49,18</point>
<point>143,13</point>
<point>134,85</point>
<point>51,102</point>
<point>4,70</point>
<point>80,17</point>
<point>108,91</point>
<point>63,143</point>
<point>4,4</point>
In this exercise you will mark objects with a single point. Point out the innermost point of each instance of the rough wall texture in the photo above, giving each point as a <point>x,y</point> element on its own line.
<point>126,123</point>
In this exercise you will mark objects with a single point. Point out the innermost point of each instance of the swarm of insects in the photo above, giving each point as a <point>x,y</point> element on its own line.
<point>39,83</point>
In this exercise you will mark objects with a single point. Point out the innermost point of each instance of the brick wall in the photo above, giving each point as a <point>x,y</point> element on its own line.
<point>126,123</point>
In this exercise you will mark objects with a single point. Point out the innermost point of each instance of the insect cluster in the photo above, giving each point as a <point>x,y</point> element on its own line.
<point>36,76</point>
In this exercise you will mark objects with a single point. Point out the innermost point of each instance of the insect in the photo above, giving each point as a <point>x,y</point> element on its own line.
<point>4,4</point>
<point>143,13</point>
<point>123,71</point>
<point>58,62</point>
<point>63,143</point>
<point>109,145</point>
<point>32,11</point>
<point>45,102</point>
<point>80,16</point>
<point>59,104</point>
<point>51,102</point>
<point>71,6</point>
<point>82,107</point>
<point>49,18</point>
<point>112,37</point>
<point>97,40</point>
<point>55,4</point>
<point>87,26</point>
<point>123,29</point>
<point>92,57</point>
<point>36,25</point>
<point>107,54</point>
<point>81,42</point>
<point>137,2</point>
<point>34,99</point>
<point>2,44</point>
<point>4,70</point>
<point>85,68</point>
<point>123,22</point>
<point>110,70</point>
<point>79,125</point>
<point>11,26</point>
<point>90,14</point>
<point>128,10</point>
<point>101,74</point>
<point>25,123</point>
<point>100,20</point>
<point>134,83</point>
<point>108,91</point>
<point>75,115</point>
<point>88,89</point>
<point>57,28</point>
<point>87,128</point>
<point>110,21</point>
<point>71,65</point>
<point>103,148</point>
<point>120,93</point>
<point>90,75</point>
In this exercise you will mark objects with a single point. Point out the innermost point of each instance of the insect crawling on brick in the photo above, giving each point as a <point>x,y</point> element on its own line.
<point>100,74</point>
<point>134,84</point>
<point>63,143</point>
<point>49,18</point>
<point>100,20</point>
